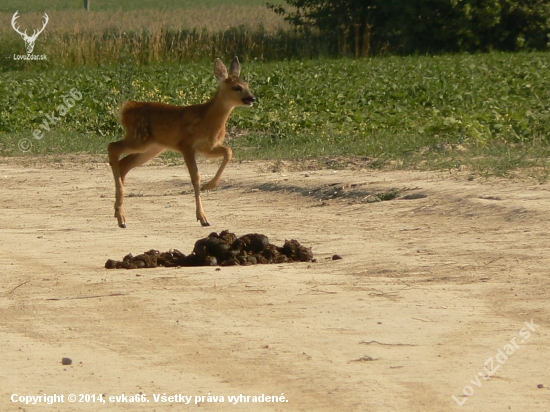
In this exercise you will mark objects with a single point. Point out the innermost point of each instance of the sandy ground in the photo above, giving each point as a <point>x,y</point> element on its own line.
<point>430,299</point>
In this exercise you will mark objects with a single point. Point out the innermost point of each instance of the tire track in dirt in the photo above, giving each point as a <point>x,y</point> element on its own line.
<point>452,274</point>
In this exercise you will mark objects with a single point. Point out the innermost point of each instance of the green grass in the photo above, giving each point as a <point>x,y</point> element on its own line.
<point>488,112</point>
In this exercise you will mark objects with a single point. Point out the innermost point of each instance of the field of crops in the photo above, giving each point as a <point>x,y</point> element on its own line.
<point>490,112</point>
<point>179,31</point>
<point>25,6</point>
<point>389,108</point>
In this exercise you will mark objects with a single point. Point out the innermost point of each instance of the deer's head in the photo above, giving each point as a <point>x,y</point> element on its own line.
<point>234,88</point>
<point>29,40</point>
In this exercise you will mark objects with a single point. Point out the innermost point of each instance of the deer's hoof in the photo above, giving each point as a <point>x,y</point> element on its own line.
<point>209,186</point>
<point>205,224</point>
<point>122,225</point>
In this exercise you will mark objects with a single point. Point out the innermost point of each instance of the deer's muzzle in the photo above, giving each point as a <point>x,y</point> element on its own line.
<point>249,100</point>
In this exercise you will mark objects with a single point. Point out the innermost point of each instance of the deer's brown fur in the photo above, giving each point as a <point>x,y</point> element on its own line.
<point>152,128</point>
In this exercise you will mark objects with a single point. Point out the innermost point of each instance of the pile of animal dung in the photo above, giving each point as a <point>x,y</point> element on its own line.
<point>224,249</point>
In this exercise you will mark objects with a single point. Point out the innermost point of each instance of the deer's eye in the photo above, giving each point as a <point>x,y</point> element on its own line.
<point>237,88</point>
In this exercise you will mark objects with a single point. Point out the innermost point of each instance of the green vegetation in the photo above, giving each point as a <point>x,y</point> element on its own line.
<point>364,27</point>
<point>489,112</point>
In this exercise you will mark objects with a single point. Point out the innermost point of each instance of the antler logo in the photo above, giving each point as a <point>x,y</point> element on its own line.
<point>29,40</point>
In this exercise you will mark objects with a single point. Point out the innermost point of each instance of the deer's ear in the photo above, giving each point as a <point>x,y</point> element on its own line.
<point>235,67</point>
<point>220,70</point>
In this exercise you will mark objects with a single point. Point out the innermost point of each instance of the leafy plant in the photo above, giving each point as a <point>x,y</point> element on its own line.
<point>442,109</point>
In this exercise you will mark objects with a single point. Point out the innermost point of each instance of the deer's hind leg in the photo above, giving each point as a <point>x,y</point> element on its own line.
<point>138,153</point>
<point>137,159</point>
<point>217,151</point>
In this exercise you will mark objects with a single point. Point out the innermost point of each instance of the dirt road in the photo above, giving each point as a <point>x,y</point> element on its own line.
<point>431,297</point>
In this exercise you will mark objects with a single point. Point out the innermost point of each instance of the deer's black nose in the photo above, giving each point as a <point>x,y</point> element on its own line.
<point>249,100</point>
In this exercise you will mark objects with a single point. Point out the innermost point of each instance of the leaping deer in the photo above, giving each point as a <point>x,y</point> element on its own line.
<point>152,128</point>
<point>29,40</point>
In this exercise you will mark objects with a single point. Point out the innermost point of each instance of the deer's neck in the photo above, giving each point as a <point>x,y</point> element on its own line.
<point>218,110</point>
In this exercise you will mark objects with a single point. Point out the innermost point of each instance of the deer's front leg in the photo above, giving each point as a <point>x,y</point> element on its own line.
<point>191,162</point>
<point>218,151</point>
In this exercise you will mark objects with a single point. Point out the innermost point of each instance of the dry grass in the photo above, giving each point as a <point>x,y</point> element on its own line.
<point>77,37</point>
<point>212,19</point>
